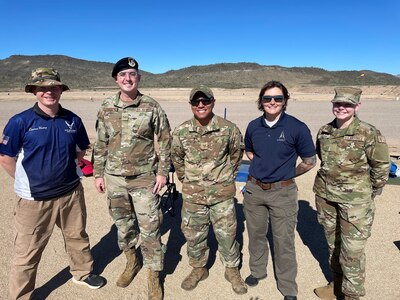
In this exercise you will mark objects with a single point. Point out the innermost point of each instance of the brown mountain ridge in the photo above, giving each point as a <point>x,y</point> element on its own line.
<point>88,75</point>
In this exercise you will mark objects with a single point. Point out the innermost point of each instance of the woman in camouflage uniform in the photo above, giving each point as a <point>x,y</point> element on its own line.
<point>354,168</point>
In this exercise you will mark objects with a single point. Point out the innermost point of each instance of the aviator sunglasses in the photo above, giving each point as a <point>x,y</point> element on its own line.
<point>205,101</point>
<point>268,99</point>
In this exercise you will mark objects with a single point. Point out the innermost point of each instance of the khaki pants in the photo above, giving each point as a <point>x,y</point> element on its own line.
<point>278,207</point>
<point>34,222</point>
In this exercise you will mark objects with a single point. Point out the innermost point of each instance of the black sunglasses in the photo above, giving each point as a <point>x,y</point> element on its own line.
<point>267,99</point>
<point>205,101</point>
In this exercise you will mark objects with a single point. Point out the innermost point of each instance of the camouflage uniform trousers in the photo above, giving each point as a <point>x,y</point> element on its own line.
<point>347,228</point>
<point>130,199</point>
<point>196,219</point>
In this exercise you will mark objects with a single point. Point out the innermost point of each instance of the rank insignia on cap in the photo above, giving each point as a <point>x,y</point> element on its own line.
<point>131,62</point>
<point>381,139</point>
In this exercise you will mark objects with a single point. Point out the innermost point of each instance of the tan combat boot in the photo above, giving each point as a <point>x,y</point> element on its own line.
<point>131,269</point>
<point>233,276</point>
<point>333,290</point>
<point>191,281</point>
<point>325,292</point>
<point>154,286</point>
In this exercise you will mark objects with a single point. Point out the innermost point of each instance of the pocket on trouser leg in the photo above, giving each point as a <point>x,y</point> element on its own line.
<point>29,233</point>
<point>79,196</point>
<point>355,232</point>
<point>23,238</point>
<point>195,222</point>
<point>155,260</point>
<point>119,208</point>
<point>148,212</point>
<point>284,215</point>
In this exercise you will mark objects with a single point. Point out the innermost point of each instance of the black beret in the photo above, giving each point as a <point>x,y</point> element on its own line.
<point>123,64</point>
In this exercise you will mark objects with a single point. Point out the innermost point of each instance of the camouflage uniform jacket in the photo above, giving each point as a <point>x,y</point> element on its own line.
<point>207,159</point>
<point>125,138</point>
<point>354,162</point>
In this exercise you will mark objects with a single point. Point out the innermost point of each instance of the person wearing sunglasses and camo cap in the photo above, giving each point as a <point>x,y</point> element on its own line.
<point>206,153</point>
<point>273,142</point>
<point>40,149</point>
<point>129,127</point>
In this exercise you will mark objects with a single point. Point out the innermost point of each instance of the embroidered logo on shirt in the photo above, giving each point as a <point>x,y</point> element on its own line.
<point>70,127</point>
<point>281,137</point>
<point>4,139</point>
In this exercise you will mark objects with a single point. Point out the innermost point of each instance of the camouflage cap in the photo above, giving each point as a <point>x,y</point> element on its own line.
<point>201,89</point>
<point>44,77</point>
<point>347,94</point>
<point>123,64</point>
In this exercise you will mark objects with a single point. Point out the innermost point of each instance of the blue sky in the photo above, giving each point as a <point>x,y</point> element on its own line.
<point>166,35</point>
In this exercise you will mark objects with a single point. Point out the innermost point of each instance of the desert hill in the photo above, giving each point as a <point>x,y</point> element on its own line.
<point>83,74</point>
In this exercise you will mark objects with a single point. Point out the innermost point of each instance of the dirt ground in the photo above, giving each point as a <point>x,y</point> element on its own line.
<point>53,280</point>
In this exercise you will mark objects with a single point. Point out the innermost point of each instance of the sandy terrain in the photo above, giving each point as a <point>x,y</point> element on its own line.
<point>383,260</point>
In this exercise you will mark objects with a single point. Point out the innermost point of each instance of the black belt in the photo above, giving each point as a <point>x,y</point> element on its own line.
<point>268,186</point>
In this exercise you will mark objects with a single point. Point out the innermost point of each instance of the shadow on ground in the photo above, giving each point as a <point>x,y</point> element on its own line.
<point>176,239</point>
<point>312,235</point>
<point>104,252</point>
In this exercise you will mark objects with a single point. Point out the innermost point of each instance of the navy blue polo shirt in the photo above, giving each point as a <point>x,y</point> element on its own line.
<point>46,148</point>
<point>277,148</point>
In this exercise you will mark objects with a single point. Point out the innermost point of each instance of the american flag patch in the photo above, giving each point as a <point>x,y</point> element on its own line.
<point>4,139</point>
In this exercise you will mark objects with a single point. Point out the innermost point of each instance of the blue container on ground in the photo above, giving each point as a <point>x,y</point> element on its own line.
<point>243,171</point>
<point>394,170</point>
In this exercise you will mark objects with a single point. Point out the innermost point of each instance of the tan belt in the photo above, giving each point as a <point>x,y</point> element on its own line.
<point>268,186</point>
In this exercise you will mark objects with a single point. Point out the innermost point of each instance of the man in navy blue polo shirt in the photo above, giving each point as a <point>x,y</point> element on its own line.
<point>40,149</point>
<point>273,142</point>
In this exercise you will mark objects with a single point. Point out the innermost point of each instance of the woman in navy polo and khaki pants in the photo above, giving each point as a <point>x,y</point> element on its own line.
<point>273,142</point>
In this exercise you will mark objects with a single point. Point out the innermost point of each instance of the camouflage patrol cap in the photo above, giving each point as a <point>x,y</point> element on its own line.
<point>44,77</point>
<point>123,64</point>
<point>347,94</point>
<point>201,89</point>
